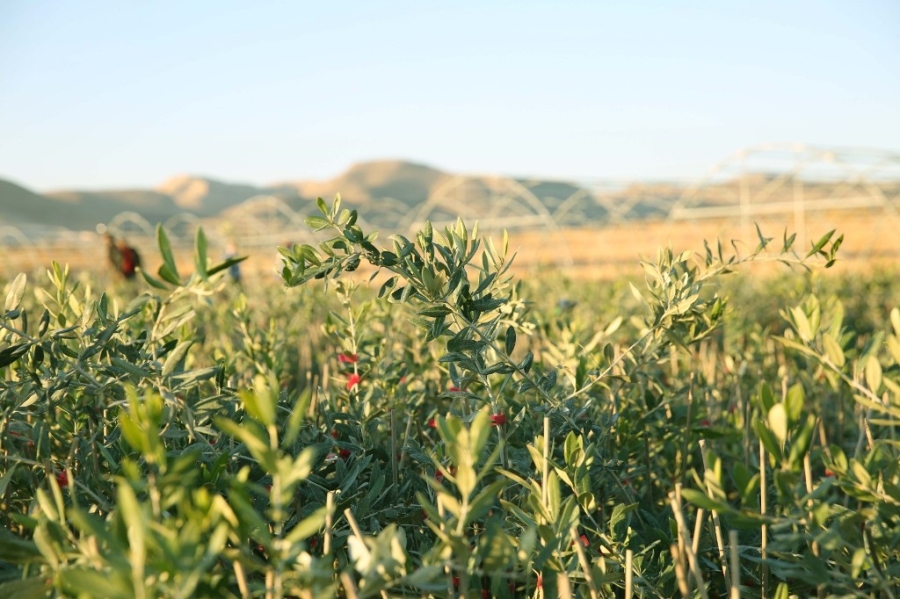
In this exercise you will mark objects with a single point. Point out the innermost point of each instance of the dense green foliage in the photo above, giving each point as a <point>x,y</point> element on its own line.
<point>446,431</point>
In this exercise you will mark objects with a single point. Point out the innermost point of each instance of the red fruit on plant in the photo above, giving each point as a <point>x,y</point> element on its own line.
<point>62,479</point>
<point>454,390</point>
<point>456,581</point>
<point>348,358</point>
<point>431,423</point>
<point>353,380</point>
<point>335,434</point>
<point>344,453</point>
<point>498,419</point>
<point>485,594</point>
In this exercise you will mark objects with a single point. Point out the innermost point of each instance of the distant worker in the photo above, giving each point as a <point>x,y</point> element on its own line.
<point>123,258</point>
<point>235,269</point>
<point>130,260</point>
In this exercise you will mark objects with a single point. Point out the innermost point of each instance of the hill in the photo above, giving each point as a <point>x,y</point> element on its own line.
<point>407,182</point>
<point>26,210</point>
<point>99,206</point>
<point>206,197</point>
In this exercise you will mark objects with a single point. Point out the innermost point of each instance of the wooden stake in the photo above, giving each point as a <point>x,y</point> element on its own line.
<point>629,574</point>
<point>735,565</point>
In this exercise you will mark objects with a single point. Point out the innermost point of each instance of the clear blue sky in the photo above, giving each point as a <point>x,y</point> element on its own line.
<point>111,94</point>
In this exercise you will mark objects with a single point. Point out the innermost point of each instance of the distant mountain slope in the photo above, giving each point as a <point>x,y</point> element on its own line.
<point>100,206</point>
<point>408,182</point>
<point>206,197</point>
<point>20,206</point>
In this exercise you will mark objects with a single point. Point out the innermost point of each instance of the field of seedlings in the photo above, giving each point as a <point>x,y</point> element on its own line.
<point>443,429</point>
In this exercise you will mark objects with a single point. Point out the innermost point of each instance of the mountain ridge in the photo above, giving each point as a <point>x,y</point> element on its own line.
<point>204,196</point>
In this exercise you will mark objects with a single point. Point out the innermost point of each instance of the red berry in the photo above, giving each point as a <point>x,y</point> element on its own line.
<point>348,358</point>
<point>344,453</point>
<point>431,423</point>
<point>335,434</point>
<point>498,419</point>
<point>455,581</point>
<point>62,479</point>
<point>353,380</point>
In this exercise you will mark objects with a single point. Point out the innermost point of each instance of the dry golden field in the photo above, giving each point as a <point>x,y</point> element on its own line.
<point>870,238</point>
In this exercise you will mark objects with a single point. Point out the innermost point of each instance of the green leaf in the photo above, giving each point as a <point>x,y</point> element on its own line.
<point>4,480</point>
<point>151,280</point>
<point>833,350</point>
<point>801,442</point>
<point>526,363</point>
<point>165,248</point>
<point>702,500</point>
<point>482,502</point>
<point>768,439</point>
<point>228,263</point>
<point>253,438</point>
<point>766,398</point>
<point>260,402</point>
<point>817,246</point>
<point>873,373</point>
<point>177,355</point>
<point>133,516</point>
<point>200,253</point>
<point>36,587</point>
<point>16,290</point>
<point>778,423</point>
<point>435,311</point>
<point>308,526</point>
<point>317,222</point>
<point>782,591</point>
<point>12,353</point>
<point>802,324</point>
<point>166,273</point>
<point>16,550</point>
<point>83,582</point>
<point>793,404</point>
<point>510,340</point>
